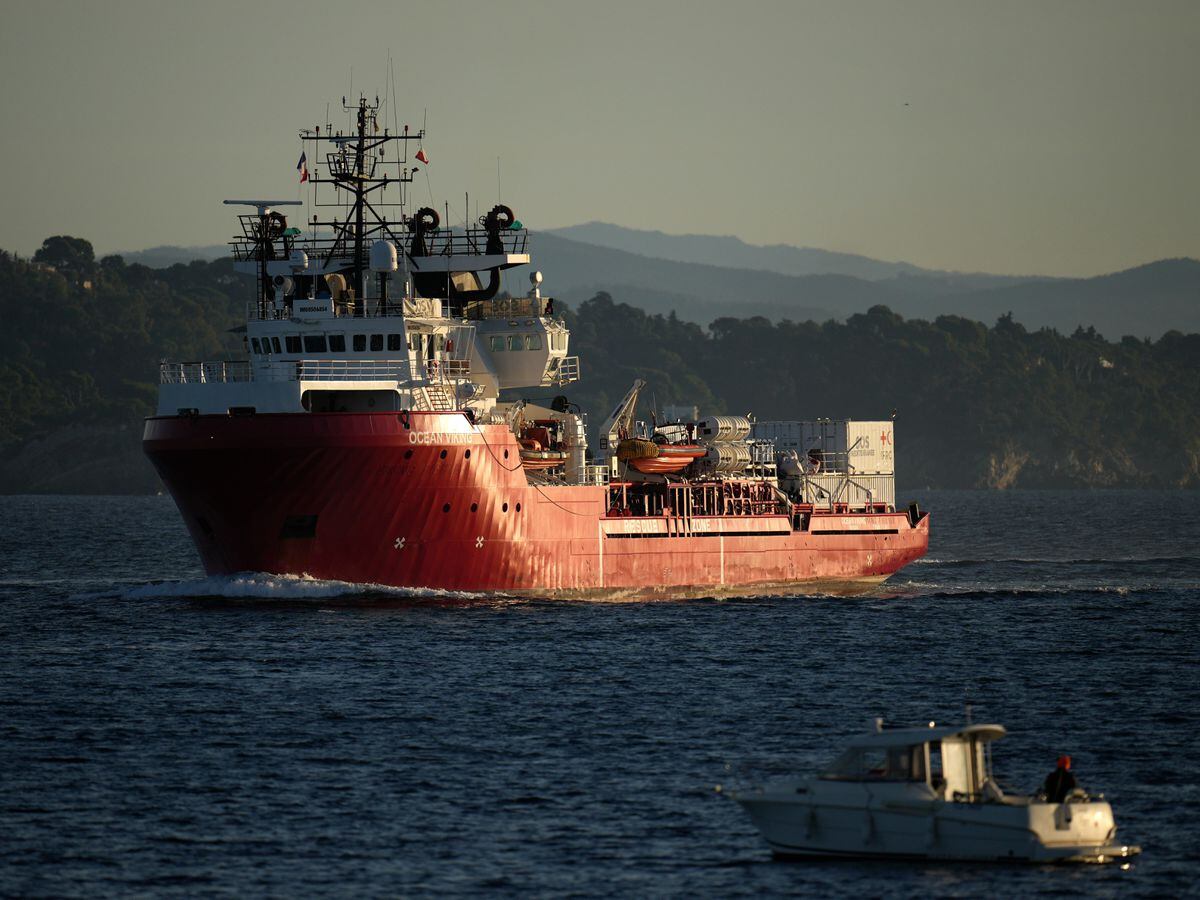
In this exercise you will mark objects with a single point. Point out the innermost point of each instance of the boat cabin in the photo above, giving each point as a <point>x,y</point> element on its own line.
<point>952,760</point>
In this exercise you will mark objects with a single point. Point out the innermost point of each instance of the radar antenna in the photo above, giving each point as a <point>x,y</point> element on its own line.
<point>262,232</point>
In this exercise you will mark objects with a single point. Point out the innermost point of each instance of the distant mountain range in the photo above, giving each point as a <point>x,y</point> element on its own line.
<point>169,255</point>
<point>733,252</point>
<point>702,278</point>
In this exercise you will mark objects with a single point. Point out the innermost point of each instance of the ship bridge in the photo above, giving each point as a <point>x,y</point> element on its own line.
<point>376,308</point>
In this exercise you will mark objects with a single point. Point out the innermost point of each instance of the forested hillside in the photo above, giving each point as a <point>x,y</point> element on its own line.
<point>991,406</point>
<point>79,351</point>
<point>975,406</point>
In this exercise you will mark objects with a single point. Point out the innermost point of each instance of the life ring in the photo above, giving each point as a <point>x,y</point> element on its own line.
<point>492,221</point>
<point>426,219</point>
<point>274,225</point>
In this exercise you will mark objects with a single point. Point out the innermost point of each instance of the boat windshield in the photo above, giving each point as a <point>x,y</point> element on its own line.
<point>878,764</point>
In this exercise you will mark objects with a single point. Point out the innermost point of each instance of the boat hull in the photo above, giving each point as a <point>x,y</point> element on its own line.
<point>431,501</point>
<point>968,832</point>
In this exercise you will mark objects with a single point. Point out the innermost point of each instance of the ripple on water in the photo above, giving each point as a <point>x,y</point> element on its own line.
<point>166,732</point>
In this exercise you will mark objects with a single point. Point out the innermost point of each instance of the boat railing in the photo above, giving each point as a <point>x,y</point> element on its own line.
<point>371,308</point>
<point>472,242</point>
<point>214,372</point>
<point>562,370</point>
<point>593,474</point>
<point>338,252</point>
<point>443,370</point>
<point>509,308</point>
<point>340,370</point>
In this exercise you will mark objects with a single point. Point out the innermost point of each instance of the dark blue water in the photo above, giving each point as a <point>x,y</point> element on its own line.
<point>163,734</point>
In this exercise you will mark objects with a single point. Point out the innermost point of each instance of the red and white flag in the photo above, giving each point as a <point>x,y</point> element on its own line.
<point>302,167</point>
<point>422,157</point>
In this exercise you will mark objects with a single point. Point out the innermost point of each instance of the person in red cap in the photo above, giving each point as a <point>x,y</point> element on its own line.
<point>1060,782</point>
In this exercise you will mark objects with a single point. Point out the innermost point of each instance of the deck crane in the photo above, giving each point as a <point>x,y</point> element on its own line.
<point>619,425</point>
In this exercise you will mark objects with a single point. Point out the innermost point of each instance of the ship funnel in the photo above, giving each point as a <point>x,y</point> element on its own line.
<point>383,257</point>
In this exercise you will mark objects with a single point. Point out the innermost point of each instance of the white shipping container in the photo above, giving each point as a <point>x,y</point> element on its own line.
<point>847,445</point>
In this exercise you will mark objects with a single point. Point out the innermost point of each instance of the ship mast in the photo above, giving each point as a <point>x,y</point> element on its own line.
<point>355,164</point>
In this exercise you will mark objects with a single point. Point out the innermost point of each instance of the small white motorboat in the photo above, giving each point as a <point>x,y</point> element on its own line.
<point>928,793</point>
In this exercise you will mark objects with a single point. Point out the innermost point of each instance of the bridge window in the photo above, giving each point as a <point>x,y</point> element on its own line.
<point>533,342</point>
<point>275,344</point>
<point>314,343</point>
<point>393,342</point>
<point>496,342</point>
<point>360,343</point>
<point>376,342</point>
<point>254,344</point>
<point>337,343</point>
<point>515,342</point>
<point>293,343</point>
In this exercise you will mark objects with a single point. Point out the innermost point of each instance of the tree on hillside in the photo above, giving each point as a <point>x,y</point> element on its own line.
<point>72,256</point>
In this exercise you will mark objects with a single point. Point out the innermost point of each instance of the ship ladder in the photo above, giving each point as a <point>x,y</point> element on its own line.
<point>438,399</point>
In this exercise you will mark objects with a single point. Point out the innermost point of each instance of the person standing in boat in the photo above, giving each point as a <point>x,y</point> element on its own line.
<point>1060,782</point>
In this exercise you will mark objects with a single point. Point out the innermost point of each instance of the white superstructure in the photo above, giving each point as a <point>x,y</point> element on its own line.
<point>366,314</point>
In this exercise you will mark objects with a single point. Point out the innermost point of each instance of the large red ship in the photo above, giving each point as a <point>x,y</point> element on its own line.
<point>370,436</point>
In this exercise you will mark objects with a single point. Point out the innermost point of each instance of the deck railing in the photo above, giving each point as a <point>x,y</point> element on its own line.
<point>509,308</point>
<point>437,371</point>
<point>565,371</point>
<point>341,370</point>
<point>223,371</point>
<point>372,308</point>
<point>444,242</point>
<point>217,372</point>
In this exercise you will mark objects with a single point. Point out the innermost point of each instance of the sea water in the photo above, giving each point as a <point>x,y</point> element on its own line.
<point>166,733</point>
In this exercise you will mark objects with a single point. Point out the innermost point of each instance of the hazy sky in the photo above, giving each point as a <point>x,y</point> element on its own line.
<point>1048,137</point>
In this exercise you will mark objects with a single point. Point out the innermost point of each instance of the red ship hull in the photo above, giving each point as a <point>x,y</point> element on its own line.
<point>430,501</point>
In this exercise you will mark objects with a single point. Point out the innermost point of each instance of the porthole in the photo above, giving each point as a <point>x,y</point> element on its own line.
<point>504,508</point>
<point>474,507</point>
<point>443,454</point>
<point>466,454</point>
<point>506,454</point>
<point>518,507</point>
<point>408,454</point>
<point>445,507</point>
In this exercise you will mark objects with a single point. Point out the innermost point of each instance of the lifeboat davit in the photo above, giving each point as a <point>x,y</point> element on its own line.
<point>670,458</point>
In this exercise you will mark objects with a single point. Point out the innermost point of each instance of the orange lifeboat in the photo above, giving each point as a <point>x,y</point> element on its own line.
<point>535,457</point>
<point>671,458</point>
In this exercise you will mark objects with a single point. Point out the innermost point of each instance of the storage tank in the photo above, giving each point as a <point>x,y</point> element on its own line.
<point>722,428</point>
<point>727,457</point>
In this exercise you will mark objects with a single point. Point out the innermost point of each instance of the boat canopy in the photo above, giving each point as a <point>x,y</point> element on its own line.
<point>907,737</point>
<point>950,759</point>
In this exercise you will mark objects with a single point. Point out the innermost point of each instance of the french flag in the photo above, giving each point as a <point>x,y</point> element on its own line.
<point>302,167</point>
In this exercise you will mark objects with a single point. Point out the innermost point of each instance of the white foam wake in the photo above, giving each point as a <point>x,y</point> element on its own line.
<point>262,586</point>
